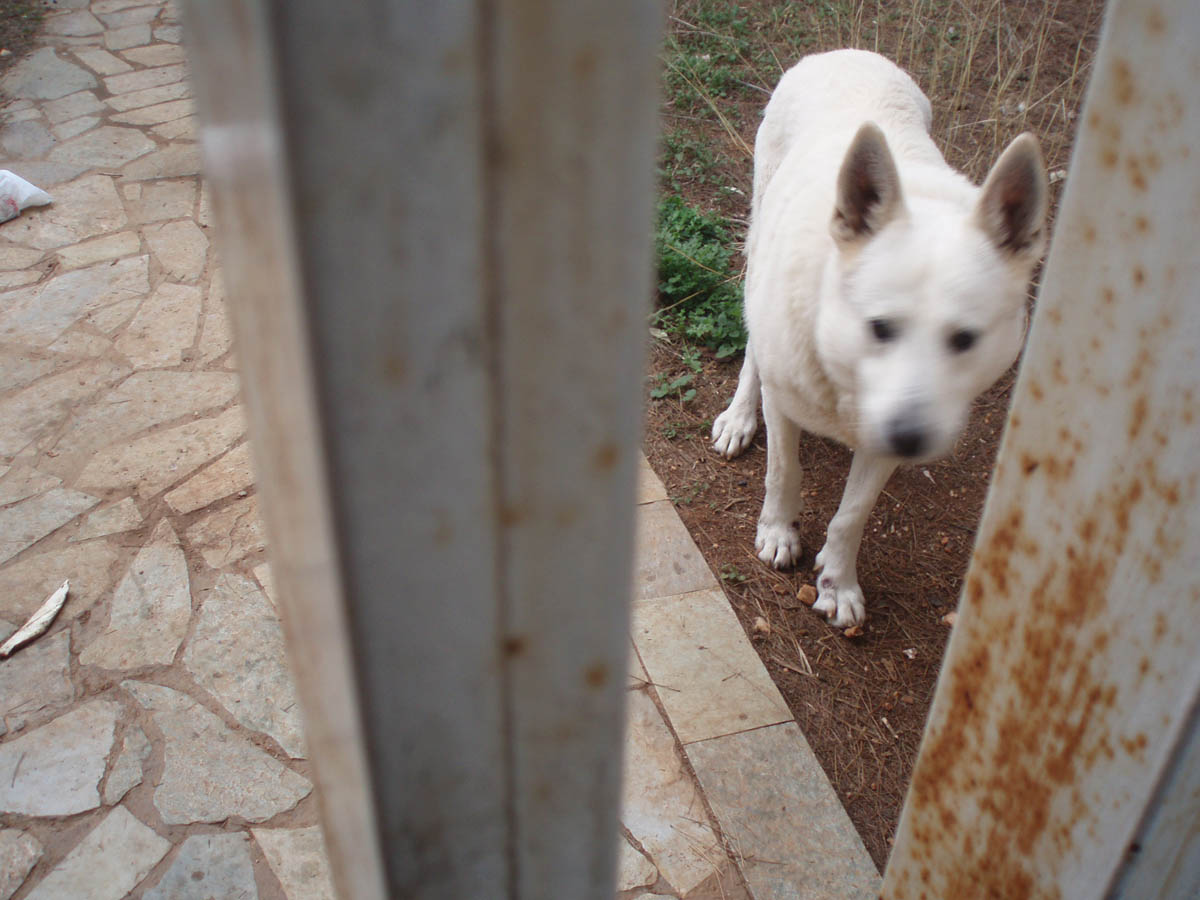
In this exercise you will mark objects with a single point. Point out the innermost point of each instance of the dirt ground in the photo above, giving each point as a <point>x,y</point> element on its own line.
<point>19,21</point>
<point>862,702</point>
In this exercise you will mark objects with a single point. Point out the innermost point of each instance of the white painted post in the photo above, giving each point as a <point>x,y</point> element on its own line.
<point>435,224</point>
<point>1073,673</point>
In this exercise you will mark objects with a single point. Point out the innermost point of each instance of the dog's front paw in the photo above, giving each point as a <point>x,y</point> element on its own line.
<point>733,430</point>
<point>841,604</point>
<point>778,545</point>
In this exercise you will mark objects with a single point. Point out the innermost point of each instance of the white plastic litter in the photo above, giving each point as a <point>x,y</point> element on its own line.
<point>16,194</point>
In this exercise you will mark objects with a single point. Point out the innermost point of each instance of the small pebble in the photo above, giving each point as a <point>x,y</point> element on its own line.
<point>807,595</point>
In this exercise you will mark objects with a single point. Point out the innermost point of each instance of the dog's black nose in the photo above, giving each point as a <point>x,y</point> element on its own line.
<point>907,438</point>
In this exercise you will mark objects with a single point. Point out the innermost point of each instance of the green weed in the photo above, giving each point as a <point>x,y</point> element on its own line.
<point>699,289</point>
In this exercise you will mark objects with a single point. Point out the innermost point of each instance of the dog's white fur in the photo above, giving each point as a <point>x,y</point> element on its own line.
<point>884,292</point>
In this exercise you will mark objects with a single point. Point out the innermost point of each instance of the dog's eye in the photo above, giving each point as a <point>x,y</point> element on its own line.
<point>882,329</point>
<point>963,340</point>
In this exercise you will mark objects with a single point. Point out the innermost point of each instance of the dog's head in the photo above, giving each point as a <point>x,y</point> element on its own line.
<point>933,292</point>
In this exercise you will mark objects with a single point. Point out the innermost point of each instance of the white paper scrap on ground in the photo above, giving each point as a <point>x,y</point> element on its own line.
<point>38,622</point>
<point>16,194</point>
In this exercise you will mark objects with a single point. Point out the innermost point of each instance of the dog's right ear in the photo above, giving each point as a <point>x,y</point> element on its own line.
<point>868,187</point>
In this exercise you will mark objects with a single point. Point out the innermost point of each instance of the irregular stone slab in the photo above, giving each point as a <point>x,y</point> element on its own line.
<point>237,654</point>
<point>25,140</point>
<point>150,609</point>
<point>148,97</point>
<point>146,78</point>
<point>217,338</point>
<point>172,34</point>
<point>107,864</point>
<point>777,807</point>
<point>709,678</point>
<point>153,463</point>
<point>633,869</point>
<point>666,559</point>
<point>80,23</point>
<point>17,279</point>
<point>181,247</point>
<point>209,867</point>
<point>138,15</point>
<point>160,200</point>
<point>83,103</point>
<point>164,327</point>
<point>649,487</point>
<point>108,7</point>
<point>44,76</point>
<point>82,344</point>
<point>112,317</point>
<point>46,404</point>
<point>25,585</point>
<point>228,475</point>
<point>26,523</point>
<point>123,516</point>
<point>83,208</point>
<point>112,246</point>
<point>18,257</point>
<point>210,773</point>
<point>108,147</point>
<point>660,804</point>
<point>74,127</point>
<point>173,161</point>
<point>39,315</point>
<point>22,480</point>
<point>141,401</point>
<point>36,677</point>
<point>101,61</point>
<point>55,770</point>
<point>129,36</point>
<point>267,580</point>
<point>47,175</point>
<point>179,129</point>
<point>21,365</point>
<point>153,115</point>
<point>126,772</point>
<point>297,857</point>
<point>19,853</point>
<point>226,536</point>
<point>156,55</point>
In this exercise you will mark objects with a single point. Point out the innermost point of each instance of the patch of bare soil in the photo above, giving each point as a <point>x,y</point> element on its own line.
<point>862,702</point>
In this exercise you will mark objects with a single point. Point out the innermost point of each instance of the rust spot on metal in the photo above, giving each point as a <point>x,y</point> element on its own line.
<point>1109,158</point>
<point>1035,390</point>
<point>1028,464</point>
<point>1155,23</point>
<point>1108,296</point>
<point>605,458</point>
<point>596,675</point>
<point>512,515</point>
<point>1141,225</point>
<point>1138,415</point>
<point>1124,89</point>
<point>1137,177</point>
<point>515,646</point>
<point>1089,234</point>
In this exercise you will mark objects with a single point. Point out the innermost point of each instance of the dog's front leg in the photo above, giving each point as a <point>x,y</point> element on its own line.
<point>778,538</point>
<point>838,595</point>
<point>734,429</point>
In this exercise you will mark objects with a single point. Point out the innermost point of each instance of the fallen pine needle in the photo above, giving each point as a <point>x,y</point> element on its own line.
<point>38,622</point>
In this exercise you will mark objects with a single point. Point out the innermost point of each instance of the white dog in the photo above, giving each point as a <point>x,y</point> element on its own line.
<point>884,292</point>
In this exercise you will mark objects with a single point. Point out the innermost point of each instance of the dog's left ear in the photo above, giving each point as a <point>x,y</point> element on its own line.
<point>868,187</point>
<point>1012,207</point>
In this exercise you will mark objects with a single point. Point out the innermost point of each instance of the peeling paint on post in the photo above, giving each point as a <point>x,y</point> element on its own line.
<point>1073,670</point>
<point>434,222</point>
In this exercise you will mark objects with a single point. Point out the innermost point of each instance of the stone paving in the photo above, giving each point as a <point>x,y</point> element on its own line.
<point>150,742</point>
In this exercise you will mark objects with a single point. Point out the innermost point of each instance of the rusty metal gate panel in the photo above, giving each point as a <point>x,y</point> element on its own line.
<point>1071,678</point>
